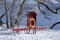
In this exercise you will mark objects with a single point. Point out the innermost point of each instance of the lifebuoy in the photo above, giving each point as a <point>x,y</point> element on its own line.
<point>32,23</point>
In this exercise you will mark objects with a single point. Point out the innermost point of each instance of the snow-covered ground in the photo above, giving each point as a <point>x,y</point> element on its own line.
<point>40,35</point>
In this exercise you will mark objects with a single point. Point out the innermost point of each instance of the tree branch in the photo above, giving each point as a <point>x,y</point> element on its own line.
<point>54,11</point>
<point>43,13</point>
<point>20,11</point>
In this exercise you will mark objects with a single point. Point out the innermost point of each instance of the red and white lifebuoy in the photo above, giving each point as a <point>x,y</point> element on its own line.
<point>32,23</point>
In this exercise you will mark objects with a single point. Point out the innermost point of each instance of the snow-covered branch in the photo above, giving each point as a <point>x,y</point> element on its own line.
<point>44,13</point>
<point>53,11</point>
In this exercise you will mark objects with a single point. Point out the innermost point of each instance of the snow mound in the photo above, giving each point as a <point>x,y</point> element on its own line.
<point>40,35</point>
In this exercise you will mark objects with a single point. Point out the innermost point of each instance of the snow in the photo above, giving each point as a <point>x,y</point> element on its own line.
<point>40,35</point>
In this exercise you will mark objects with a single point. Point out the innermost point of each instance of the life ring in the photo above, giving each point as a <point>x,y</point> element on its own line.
<point>32,23</point>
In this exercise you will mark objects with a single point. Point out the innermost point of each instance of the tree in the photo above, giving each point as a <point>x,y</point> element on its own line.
<point>8,9</point>
<point>6,14</point>
<point>20,12</point>
<point>11,16</point>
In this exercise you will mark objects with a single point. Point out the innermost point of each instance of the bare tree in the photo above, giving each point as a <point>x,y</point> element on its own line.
<point>11,6</point>
<point>11,16</point>
<point>20,12</point>
<point>6,14</point>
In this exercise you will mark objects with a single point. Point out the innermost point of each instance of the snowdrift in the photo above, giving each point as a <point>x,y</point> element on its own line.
<point>40,35</point>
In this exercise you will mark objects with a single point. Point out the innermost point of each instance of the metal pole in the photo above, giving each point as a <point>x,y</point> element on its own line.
<point>6,14</point>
